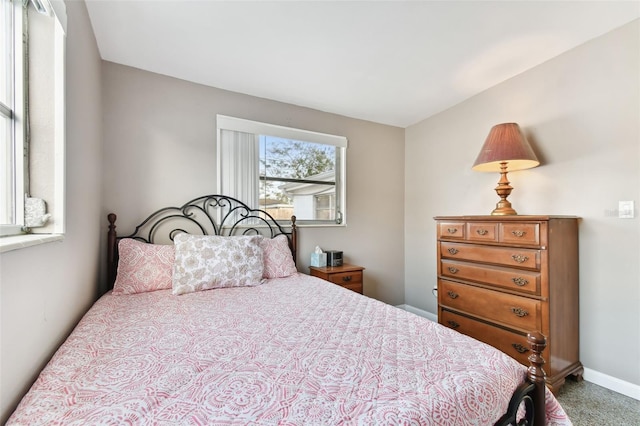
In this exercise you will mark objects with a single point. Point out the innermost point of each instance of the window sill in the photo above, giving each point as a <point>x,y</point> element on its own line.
<point>321,225</point>
<point>17,242</point>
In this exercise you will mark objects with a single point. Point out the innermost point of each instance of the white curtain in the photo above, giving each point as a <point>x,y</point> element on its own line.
<point>239,158</point>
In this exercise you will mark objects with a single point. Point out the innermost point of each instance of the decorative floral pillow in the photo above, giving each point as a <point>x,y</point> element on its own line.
<point>203,262</point>
<point>143,267</point>
<point>278,261</point>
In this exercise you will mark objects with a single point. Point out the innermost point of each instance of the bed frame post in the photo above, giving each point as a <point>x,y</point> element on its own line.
<point>531,393</point>
<point>536,375</point>
<point>294,239</point>
<point>111,250</point>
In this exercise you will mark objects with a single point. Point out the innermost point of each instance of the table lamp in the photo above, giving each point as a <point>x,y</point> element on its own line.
<point>505,147</point>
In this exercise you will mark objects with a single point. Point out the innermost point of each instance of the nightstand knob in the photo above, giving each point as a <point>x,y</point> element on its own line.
<point>347,278</point>
<point>452,230</point>
<point>452,250</point>
<point>452,294</point>
<point>452,269</point>
<point>519,234</point>
<point>482,231</point>
<point>453,324</point>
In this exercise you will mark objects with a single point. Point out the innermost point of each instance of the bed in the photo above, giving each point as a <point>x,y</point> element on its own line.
<point>191,335</point>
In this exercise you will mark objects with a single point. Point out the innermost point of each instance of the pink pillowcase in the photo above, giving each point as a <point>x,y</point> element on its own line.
<point>278,261</point>
<point>143,267</point>
<point>146,267</point>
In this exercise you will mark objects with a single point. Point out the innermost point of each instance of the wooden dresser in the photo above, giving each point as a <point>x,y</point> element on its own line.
<point>500,277</point>
<point>347,276</point>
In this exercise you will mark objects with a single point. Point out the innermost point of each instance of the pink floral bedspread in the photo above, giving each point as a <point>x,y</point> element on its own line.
<point>293,351</point>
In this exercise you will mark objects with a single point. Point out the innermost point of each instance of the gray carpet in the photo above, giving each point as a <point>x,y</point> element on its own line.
<point>588,404</point>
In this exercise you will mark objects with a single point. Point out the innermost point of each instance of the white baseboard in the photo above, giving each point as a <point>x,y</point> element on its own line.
<point>593,376</point>
<point>426,314</point>
<point>612,383</point>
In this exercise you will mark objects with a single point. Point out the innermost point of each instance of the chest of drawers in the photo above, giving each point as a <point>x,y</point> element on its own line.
<point>500,277</point>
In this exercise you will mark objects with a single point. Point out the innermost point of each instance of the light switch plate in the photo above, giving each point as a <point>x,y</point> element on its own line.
<point>625,209</point>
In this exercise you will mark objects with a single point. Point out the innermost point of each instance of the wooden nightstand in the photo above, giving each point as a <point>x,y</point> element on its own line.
<point>347,276</point>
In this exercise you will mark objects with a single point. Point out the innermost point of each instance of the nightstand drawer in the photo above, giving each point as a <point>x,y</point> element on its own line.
<point>513,344</point>
<point>506,256</point>
<point>357,287</point>
<point>346,278</point>
<point>508,309</point>
<point>512,279</point>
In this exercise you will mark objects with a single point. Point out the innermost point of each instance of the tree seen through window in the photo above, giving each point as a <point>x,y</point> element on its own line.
<point>299,175</point>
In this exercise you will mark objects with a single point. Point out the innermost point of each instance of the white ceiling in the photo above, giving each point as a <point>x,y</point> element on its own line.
<point>393,62</point>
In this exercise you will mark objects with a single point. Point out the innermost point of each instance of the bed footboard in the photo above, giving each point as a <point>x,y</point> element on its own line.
<point>532,392</point>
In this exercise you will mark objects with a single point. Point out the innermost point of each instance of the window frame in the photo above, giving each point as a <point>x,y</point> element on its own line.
<point>16,152</point>
<point>224,122</point>
<point>16,235</point>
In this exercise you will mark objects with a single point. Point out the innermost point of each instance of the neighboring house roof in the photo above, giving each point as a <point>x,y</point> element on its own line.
<point>305,188</point>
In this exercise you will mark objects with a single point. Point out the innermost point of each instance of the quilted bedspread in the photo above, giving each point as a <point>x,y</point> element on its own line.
<point>293,351</point>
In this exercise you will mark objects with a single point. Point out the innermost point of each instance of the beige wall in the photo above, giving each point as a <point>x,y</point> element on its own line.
<point>160,150</point>
<point>44,290</point>
<point>581,112</point>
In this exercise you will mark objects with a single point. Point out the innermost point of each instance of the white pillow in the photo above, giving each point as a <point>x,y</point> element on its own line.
<point>210,261</point>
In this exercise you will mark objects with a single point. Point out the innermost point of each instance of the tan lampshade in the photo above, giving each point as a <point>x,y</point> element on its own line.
<point>505,143</point>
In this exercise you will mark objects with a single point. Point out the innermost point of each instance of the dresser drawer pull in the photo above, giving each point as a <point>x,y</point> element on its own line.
<point>452,294</point>
<point>519,312</point>
<point>519,281</point>
<point>520,258</point>
<point>452,230</point>
<point>520,348</point>
<point>453,324</point>
<point>347,278</point>
<point>452,250</point>
<point>519,234</point>
<point>453,270</point>
<point>482,231</point>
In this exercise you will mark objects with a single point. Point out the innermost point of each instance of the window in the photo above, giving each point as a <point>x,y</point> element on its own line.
<point>282,170</point>
<point>32,116</point>
<point>11,113</point>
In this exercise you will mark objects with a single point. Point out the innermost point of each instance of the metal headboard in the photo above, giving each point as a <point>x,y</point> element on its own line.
<point>206,215</point>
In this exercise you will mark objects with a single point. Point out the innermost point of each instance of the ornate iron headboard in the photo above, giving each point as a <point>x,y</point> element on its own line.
<point>206,215</point>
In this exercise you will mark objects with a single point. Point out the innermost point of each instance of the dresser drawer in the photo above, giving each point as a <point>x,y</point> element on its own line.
<point>482,231</point>
<point>520,233</point>
<point>510,310</point>
<point>506,232</point>
<point>451,230</point>
<point>513,279</point>
<point>507,256</point>
<point>511,343</point>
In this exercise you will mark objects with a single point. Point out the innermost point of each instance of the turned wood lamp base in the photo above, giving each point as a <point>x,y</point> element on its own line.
<point>503,207</point>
